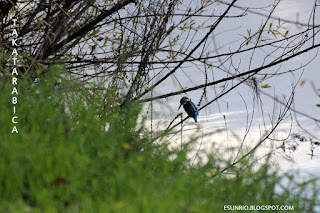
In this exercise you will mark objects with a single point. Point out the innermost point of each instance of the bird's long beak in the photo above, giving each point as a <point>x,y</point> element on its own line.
<point>179,106</point>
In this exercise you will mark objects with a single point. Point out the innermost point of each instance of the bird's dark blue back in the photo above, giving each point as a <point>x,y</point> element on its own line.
<point>191,109</point>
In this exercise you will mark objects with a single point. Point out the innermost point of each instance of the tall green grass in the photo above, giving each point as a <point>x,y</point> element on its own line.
<point>63,160</point>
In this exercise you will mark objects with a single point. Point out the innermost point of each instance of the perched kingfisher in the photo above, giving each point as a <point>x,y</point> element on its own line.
<point>189,107</point>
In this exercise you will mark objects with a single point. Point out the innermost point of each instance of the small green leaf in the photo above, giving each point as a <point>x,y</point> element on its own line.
<point>318,105</point>
<point>264,77</point>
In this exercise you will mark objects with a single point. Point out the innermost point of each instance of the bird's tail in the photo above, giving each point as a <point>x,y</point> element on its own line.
<point>196,116</point>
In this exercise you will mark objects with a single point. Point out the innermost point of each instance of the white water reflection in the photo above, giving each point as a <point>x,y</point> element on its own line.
<point>214,134</point>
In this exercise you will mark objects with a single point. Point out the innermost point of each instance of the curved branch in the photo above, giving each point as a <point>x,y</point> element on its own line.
<point>83,30</point>
<point>213,27</point>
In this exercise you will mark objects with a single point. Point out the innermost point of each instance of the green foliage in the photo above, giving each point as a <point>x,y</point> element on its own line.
<point>63,160</point>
